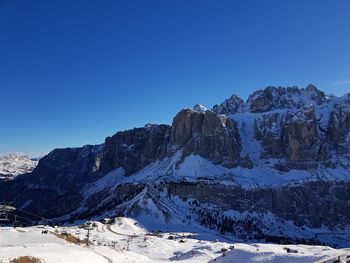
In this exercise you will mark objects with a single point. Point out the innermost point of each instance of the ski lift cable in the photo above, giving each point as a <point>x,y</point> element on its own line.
<point>26,218</point>
<point>8,205</point>
<point>41,217</point>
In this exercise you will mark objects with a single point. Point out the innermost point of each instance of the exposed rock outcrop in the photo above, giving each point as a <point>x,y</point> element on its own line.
<point>134,149</point>
<point>311,204</point>
<point>229,106</point>
<point>207,134</point>
<point>339,125</point>
<point>300,135</point>
<point>339,133</point>
<point>284,98</point>
<point>67,169</point>
<point>268,131</point>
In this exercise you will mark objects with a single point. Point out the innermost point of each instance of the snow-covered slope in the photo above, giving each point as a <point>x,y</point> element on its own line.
<point>127,240</point>
<point>12,165</point>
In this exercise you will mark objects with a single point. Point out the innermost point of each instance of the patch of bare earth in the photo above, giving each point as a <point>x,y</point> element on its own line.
<point>70,238</point>
<point>26,259</point>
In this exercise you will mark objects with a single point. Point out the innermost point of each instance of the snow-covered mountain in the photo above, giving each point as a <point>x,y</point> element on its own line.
<point>275,165</point>
<point>12,165</point>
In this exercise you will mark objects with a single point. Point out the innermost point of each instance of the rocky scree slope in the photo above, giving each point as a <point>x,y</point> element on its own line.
<point>283,155</point>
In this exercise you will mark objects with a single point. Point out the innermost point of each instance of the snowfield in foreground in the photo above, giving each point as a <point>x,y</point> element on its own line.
<point>126,241</point>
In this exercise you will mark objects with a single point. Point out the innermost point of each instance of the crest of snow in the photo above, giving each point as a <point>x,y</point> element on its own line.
<point>199,108</point>
<point>195,167</point>
<point>157,170</point>
<point>108,181</point>
<point>127,226</point>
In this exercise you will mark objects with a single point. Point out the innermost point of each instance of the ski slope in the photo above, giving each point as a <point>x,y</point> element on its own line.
<point>126,240</point>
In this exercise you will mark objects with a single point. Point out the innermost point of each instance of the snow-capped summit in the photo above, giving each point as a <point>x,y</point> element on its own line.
<point>199,108</point>
<point>272,98</point>
<point>13,164</point>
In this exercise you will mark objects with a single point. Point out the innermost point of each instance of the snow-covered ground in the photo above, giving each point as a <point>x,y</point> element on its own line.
<point>126,240</point>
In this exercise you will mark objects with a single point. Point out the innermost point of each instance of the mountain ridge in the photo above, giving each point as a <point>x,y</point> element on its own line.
<point>285,152</point>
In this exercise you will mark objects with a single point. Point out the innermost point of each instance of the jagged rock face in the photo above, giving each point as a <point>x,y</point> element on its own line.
<point>313,204</point>
<point>186,124</point>
<point>292,136</point>
<point>52,189</point>
<point>339,131</point>
<point>284,98</point>
<point>229,106</point>
<point>268,131</point>
<point>300,135</point>
<point>339,124</point>
<point>300,138</point>
<point>212,136</point>
<point>261,101</point>
<point>68,168</point>
<point>315,94</point>
<point>135,149</point>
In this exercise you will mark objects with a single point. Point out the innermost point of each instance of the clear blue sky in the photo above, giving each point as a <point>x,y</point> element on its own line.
<point>74,72</point>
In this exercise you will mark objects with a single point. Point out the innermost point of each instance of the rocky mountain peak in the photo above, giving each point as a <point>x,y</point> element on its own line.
<point>199,108</point>
<point>272,98</point>
<point>315,94</point>
<point>210,135</point>
<point>229,106</point>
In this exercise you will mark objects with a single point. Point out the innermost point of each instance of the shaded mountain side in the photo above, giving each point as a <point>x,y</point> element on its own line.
<point>313,204</point>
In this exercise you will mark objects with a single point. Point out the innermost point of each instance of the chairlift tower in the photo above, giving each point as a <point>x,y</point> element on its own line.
<point>88,227</point>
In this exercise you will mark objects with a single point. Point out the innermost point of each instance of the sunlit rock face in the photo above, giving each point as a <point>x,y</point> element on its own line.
<point>272,98</point>
<point>207,134</point>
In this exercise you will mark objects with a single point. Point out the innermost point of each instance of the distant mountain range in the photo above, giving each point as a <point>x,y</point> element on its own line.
<point>277,164</point>
<point>13,164</point>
